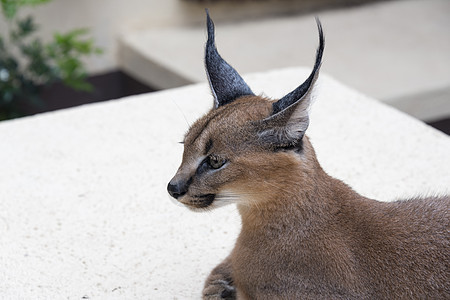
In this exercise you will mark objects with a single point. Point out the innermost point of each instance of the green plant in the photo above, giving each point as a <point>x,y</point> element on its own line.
<point>27,64</point>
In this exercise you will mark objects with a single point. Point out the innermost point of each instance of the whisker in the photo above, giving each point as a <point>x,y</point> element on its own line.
<point>182,113</point>
<point>281,189</point>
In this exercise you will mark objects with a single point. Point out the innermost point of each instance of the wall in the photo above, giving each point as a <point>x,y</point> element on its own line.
<point>109,18</point>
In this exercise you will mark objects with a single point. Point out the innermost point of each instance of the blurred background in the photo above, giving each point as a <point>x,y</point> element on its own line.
<point>56,54</point>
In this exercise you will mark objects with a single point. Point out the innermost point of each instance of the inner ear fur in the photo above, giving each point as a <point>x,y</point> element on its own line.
<point>287,127</point>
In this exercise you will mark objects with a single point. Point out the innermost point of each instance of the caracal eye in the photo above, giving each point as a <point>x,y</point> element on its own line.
<point>216,162</point>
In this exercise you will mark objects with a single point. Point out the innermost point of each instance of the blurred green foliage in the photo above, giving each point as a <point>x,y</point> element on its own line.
<point>27,64</point>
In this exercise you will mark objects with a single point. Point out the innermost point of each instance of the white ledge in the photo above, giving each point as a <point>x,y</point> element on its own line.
<point>84,210</point>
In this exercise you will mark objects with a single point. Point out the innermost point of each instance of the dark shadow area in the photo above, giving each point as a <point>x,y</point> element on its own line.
<point>108,86</point>
<point>442,125</point>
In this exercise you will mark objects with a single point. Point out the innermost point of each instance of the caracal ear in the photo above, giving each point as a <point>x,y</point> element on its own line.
<point>287,124</point>
<point>225,82</point>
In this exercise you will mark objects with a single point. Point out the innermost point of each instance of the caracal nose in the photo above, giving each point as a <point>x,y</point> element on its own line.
<point>178,188</point>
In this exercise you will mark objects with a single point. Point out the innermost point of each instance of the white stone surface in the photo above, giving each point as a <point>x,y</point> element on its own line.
<point>84,212</point>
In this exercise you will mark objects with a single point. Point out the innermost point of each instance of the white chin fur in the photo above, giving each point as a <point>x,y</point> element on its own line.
<point>225,197</point>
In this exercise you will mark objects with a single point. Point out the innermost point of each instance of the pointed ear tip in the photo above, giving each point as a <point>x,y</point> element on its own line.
<point>320,28</point>
<point>209,23</point>
<point>317,20</point>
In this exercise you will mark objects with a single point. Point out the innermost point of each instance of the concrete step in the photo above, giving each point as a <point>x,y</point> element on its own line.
<point>397,51</point>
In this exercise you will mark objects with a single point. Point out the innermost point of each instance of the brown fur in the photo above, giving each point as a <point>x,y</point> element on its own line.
<point>305,234</point>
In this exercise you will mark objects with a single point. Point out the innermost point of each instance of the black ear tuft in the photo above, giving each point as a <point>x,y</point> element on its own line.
<point>225,82</point>
<point>298,93</point>
<point>290,116</point>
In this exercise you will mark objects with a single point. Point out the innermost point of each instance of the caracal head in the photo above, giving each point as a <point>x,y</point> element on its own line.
<point>231,153</point>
